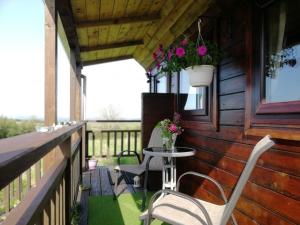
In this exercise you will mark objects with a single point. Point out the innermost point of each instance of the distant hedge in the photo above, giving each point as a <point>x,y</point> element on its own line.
<point>11,127</point>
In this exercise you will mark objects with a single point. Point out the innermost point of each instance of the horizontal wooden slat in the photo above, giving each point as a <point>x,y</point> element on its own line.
<point>236,134</point>
<point>37,197</point>
<point>234,101</point>
<point>99,61</point>
<point>112,46</point>
<point>232,117</point>
<point>286,207</point>
<point>233,85</point>
<point>252,211</point>
<point>273,159</point>
<point>118,21</point>
<point>19,153</point>
<point>277,181</point>
<point>232,69</point>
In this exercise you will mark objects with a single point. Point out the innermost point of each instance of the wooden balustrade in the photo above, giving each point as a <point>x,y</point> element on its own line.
<point>102,141</point>
<point>48,193</point>
<point>112,142</point>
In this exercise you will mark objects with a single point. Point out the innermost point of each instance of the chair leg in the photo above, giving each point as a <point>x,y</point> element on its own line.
<point>116,185</point>
<point>146,221</point>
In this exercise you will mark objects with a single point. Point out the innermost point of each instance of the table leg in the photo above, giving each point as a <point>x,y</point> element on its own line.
<point>145,183</point>
<point>169,173</point>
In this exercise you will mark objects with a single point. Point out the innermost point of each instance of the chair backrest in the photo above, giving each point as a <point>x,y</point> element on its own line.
<point>155,141</point>
<point>262,146</point>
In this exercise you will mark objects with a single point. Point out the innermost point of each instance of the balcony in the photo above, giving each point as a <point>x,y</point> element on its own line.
<point>44,176</point>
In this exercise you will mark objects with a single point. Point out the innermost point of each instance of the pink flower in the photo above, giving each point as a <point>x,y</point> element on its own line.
<point>180,52</point>
<point>202,50</point>
<point>170,55</point>
<point>173,128</point>
<point>154,55</point>
<point>161,47</point>
<point>158,66</point>
<point>184,42</point>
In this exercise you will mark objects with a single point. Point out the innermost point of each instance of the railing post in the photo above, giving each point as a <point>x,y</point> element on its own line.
<point>115,143</point>
<point>128,142</point>
<point>101,144</point>
<point>84,149</point>
<point>108,144</point>
<point>65,150</point>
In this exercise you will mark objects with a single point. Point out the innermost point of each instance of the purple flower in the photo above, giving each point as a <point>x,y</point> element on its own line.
<point>202,50</point>
<point>184,42</point>
<point>180,52</point>
<point>170,54</point>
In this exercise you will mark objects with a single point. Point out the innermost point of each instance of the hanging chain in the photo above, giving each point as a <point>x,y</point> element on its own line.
<point>199,38</point>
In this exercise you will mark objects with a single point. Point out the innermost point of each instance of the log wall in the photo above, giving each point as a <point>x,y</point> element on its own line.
<point>272,193</point>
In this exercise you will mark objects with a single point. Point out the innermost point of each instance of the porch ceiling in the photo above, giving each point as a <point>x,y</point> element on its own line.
<point>110,30</point>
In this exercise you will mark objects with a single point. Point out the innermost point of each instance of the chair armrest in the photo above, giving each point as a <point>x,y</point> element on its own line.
<point>181,195</point>
<point>205,177</point>
<point>218,185</point>
<point>122,153</point>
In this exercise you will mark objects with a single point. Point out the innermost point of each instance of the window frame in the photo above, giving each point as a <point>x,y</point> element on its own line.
<point>194,112</point>
<point>280,119</point>
<point>206,119</point>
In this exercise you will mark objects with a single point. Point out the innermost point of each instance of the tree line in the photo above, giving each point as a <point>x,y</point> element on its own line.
<point>12,127</point>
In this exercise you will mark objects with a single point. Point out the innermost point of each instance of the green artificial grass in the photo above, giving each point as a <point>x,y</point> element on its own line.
<point>103,210</point>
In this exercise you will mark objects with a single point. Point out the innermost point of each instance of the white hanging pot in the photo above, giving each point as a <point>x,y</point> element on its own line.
<point>201,75</point>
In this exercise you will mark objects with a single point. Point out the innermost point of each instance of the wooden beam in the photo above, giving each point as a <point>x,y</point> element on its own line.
<point>99,61</point>
<point>73,86</point>
<point>119,21</point>
<point>78,94</point>
<point>111,46</point>
<point>50,62</point>
<point>66,15</point>
<point>75,89</point>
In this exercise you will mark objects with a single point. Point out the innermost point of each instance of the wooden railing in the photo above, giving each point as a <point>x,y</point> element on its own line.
<point>40,175</point>
<point>110,142</point>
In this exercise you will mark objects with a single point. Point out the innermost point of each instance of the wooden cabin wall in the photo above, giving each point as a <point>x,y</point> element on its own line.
<point>272,193</point>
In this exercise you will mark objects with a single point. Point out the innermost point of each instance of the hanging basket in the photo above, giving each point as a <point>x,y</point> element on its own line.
<point>201,75</point>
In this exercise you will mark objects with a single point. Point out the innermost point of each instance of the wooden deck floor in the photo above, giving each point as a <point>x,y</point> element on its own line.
<point>101,180</point>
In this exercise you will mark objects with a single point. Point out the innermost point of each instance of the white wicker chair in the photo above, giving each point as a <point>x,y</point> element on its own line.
<point>180,209</point>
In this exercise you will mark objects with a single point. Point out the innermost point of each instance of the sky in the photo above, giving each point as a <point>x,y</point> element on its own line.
<point>115,86</point>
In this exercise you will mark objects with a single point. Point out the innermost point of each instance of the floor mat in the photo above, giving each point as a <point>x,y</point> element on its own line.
<point>103,210</point>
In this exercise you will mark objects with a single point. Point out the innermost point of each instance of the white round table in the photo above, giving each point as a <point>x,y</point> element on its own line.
<point>169,165</point>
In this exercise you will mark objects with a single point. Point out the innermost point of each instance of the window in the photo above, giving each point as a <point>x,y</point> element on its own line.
<point>192,99</point>
<point>198,106</point>
<point>274,70</point>
<point>162,84</point>
<point>282,51</point>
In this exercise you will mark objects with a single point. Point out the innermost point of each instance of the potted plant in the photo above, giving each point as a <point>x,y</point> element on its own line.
<point>198,58</point>
<point>92,163</point>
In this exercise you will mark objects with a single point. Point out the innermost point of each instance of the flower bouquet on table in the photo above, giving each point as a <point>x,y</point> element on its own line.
<point>170,130</point>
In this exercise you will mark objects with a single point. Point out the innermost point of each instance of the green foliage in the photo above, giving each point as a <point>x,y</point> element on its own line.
<point>75,214</point>
<point>11,127</point>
